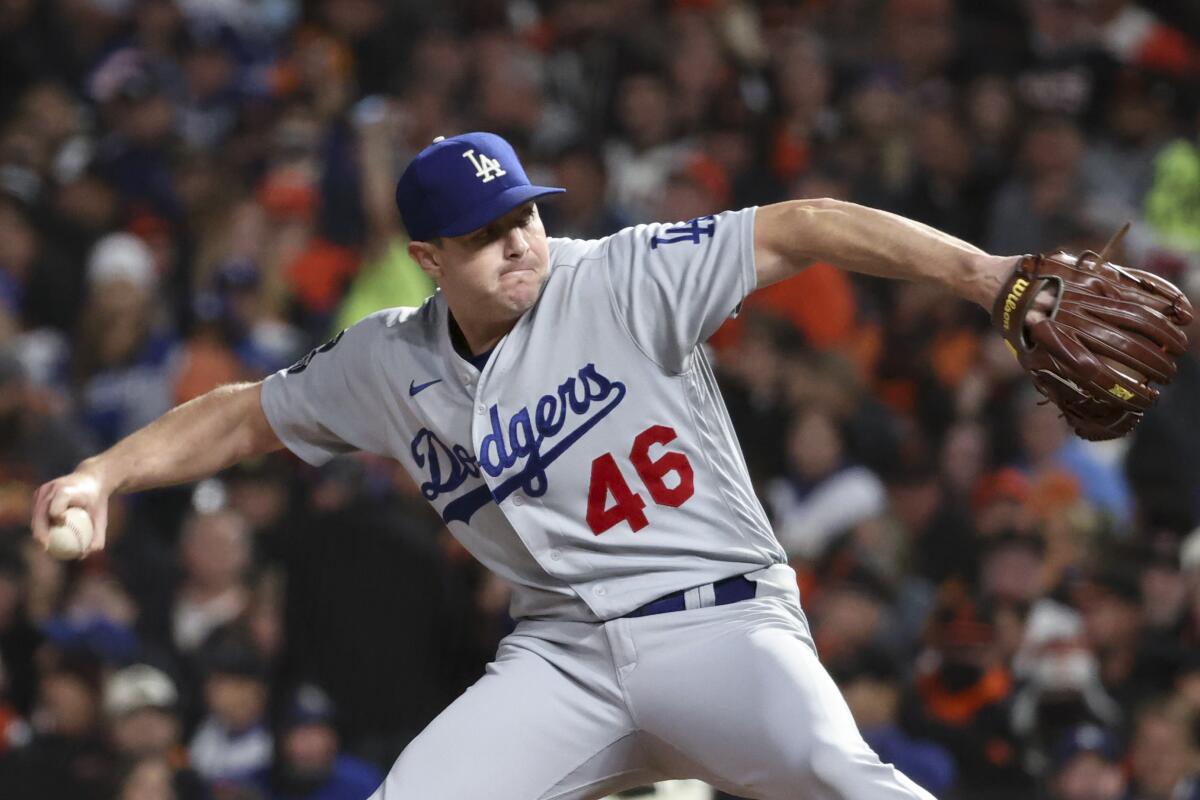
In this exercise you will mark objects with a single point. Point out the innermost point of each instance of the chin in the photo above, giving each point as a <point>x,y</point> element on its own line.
<point>523,290</point>
<point>521,302</point>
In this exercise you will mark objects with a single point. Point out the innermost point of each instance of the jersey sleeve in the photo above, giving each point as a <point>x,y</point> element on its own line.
<point>317,406</point>
<point>673,284</point>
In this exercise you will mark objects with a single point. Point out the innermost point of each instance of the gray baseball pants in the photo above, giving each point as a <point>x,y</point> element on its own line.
<point>732,695</point>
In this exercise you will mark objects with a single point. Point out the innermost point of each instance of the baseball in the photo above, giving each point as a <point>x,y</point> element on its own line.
<point>72,537</point>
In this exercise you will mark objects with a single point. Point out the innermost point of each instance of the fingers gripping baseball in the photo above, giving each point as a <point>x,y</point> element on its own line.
<point>77,490</point>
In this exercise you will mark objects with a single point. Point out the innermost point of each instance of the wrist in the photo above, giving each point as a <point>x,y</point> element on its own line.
<point>102,472</point>
<point>987,275</point>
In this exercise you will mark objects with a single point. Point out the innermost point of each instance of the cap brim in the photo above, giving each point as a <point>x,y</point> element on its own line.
<point>496,207</point>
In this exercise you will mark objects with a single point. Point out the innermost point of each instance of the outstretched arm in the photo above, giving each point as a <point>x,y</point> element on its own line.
<point>1094,336</point>
<point>192,441</point>
<point>791,235</point>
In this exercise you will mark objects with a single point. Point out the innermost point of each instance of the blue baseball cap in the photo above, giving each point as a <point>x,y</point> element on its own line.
<point>1086,738</point>
<point>309,705</point>
<point>462,183</point>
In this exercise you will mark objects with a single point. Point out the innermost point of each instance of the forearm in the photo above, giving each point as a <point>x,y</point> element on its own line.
<point>794,234</point>
<point>189,442</point>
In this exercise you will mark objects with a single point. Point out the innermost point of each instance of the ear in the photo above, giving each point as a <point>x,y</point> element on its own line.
<point>427,258</point>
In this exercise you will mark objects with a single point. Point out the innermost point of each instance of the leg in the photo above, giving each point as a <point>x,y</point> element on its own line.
<point>737,694</point>
<point>546,722</point>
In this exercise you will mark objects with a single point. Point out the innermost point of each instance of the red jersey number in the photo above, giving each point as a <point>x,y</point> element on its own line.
<point>627,506</point>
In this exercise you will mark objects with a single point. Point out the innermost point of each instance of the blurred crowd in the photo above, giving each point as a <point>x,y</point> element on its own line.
<point>194,192</point>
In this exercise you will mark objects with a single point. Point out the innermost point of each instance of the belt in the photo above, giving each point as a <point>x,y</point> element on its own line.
<point>730,590</point>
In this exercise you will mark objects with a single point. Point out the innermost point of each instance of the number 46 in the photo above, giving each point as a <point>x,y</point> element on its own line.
<point>627,504</point>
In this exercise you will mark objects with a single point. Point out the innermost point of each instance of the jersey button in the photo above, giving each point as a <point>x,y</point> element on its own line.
<point>555,555</point>
<point>600,591</point>
<point>479,409</point>
<point>517,501</point>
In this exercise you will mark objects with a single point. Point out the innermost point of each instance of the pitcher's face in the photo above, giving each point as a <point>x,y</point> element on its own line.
<point>495,272</point>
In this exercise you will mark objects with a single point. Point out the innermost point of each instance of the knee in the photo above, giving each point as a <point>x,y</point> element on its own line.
<point>792,762</point>
<point>827,761</point>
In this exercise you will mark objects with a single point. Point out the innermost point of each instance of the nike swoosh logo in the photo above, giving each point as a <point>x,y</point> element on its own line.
<point>413,389</point>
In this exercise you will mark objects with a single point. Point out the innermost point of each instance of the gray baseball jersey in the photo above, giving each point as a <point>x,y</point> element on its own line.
<point>591,463</point>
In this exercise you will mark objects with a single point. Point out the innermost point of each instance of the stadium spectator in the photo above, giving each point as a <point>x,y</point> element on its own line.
<point>851,610</point>
<point>148,778</point>
<point>233,740</point>
<point>961,697</point>
<point>1112,613</point>
<point>1163,753</point>
<point>309,763</point>
<point>123,353</point>
<point>143,724</point>
<point>872,686</point>
<point>824,495</point>
<point>215,551</point>
<point>66,756</point>
<point>1086,766</point>
<point>1050,449</point>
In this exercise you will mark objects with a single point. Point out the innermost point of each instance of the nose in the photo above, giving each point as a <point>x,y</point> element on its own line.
<point>516,243</point>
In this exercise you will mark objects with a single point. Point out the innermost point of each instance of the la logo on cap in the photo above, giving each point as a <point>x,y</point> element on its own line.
<point>486,169</point>
<point>450,187</point>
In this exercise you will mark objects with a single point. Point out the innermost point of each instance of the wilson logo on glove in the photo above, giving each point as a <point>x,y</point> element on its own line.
<point>1010,304</point>
<point>1119,391</point>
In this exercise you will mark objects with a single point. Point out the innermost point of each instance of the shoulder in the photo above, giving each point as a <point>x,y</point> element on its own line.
<point>359,343</point>
<point>400,318</point>
<point>401,323</point>
<point>658,251</point>
<point>572,252</point>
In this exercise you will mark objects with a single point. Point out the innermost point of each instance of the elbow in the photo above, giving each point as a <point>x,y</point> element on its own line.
<point>808,222</point>
<point>263,440</point>
<point>816,206</point>
<point>811,216</point>
<point>790,236</point>
<point>816,203</point>
<point>254,435</point>
<point>817,227</point>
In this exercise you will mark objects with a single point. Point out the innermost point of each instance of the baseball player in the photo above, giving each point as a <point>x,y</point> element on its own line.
<point>554,405</point>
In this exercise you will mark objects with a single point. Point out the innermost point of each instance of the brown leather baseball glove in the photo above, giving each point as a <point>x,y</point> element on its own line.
<point>1109,335</point>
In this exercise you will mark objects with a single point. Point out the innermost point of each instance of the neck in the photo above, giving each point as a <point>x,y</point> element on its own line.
<point>478,336</point>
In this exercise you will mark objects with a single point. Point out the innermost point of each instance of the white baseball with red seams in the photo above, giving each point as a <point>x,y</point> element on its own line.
<point>592,465</point>
<point>71,538</point>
